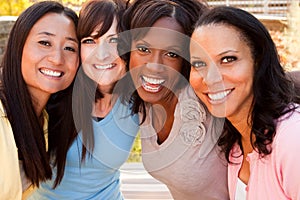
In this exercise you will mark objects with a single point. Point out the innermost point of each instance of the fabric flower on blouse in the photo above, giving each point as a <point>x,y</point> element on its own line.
<point>193,115</point>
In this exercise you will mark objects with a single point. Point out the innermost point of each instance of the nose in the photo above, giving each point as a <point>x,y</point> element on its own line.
<point>213,75</point>
<point>56,57</point>
<point>103,51</point>
<point>155,62</point>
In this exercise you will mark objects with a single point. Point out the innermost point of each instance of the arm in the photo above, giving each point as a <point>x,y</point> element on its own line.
<point>10,180</point>
<point>288,148</point>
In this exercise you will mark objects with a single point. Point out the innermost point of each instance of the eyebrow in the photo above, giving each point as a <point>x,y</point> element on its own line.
<point>195,57</point>
<point>51,34</point>
<point>111,35</point>
<point>228,51</point>
<point>176,48</point>
<point>96,35</point>
<point>137,41</point>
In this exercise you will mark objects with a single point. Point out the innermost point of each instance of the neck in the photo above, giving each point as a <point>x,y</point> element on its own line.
<point>163,118</point>
<point>244,128</point>
<point>103,106</point>
<point>39,104</point>
<point>39,100</point>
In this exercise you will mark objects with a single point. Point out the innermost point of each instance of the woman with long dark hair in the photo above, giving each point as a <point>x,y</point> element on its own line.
<point>41,58</point>
<point>237,74</point>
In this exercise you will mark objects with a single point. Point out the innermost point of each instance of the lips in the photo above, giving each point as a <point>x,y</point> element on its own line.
<point>151,84</point>
<point>51,73</point>
<point>103,67</point>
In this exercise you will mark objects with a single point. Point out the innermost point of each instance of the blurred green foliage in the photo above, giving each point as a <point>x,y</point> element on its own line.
<point>13,7</point>
<point>135,154</point>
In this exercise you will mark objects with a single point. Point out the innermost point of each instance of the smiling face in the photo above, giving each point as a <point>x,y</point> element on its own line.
<point>222,70</point>
<point>155,63</point>
<point>50,55</point>
<point>100,58</point>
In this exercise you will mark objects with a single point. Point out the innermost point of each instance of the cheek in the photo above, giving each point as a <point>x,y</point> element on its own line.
<point>195,80</point>
<point>73,61</point>
<point>133,68</point>
<point>28,63</point>
<point>178,66</point>
<point>86,54</point>
<point>75,65</point>
<point>72,65</point>
<point>29,55</point>
<point>173,69</point>
<point>114,51</point>
<point>135,60</point>
<point>83,55</point>
<point>121,63</point>
<point>243,77</point>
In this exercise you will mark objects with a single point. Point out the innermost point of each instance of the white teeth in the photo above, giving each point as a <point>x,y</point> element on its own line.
<point>219,95</point>
<point>104,66</point>
<point>153,80</point>
<point>51,73</point>
<point>152,84</point>
<point>151,89</point>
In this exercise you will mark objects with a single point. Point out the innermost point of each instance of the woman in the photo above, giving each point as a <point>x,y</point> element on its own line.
<point>178,136</point>
<point>39,60</point>
<point>105,127</point>
<point>237,74</point>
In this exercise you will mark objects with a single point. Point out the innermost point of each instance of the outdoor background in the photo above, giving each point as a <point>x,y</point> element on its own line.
<point>281,17</point>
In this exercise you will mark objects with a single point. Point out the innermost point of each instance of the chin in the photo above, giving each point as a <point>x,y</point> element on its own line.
<point>217,112</point>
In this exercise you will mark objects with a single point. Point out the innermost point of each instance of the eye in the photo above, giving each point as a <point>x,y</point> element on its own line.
<point>198,64</point>
<point>88,41</point>
<point>113,40</point>
<point>172,54</point>
<point>143,49</point>
<point>228,59</point>
<point>70,49</point>
<point>45,43</point>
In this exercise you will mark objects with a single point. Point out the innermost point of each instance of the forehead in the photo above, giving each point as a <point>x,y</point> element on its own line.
<point>165,32</point>
<point>216,38</point>
<point>54,22</point>
<point>112,29</point>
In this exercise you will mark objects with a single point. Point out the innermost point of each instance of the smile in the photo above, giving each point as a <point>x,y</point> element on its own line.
<point>219,96</point>
<point>51,73</point>
<point>152,84</point>
<point>109,66</point>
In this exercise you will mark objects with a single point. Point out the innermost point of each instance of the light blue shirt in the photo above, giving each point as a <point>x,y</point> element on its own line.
<point>98,176</point>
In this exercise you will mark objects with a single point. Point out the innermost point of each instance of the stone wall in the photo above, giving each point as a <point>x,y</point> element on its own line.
<point>6,24</point>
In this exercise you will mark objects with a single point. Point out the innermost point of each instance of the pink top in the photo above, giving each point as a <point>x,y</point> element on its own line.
<point>276,176</point>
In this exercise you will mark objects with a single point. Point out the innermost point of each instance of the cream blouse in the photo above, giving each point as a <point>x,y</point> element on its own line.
<point>12,176</point>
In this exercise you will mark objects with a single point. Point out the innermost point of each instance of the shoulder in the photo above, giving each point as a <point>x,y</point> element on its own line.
<point>2,111</point>
<point>4,123</point>
<point>288,131</point>
<point>121,113</point>
<point>289,122</point>
<point>285,152</point>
